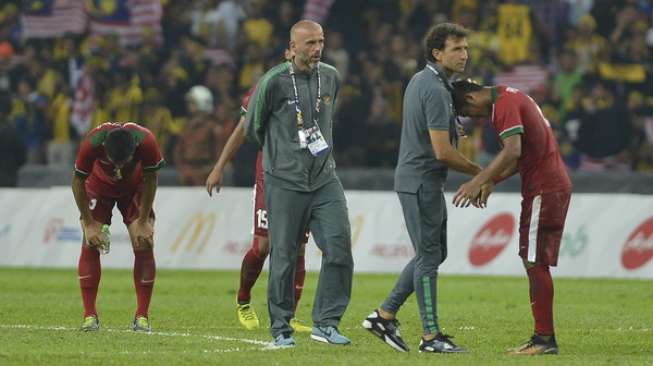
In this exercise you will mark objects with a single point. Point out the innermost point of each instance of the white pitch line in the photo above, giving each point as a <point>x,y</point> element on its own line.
<point>265,345</point>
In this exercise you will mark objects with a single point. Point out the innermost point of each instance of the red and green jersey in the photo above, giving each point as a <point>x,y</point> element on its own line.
<point>104,177</point>
<point>540,165</point>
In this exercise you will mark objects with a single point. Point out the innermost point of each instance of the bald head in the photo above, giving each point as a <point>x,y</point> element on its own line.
<point>302,27</point>
<point>306,43</point>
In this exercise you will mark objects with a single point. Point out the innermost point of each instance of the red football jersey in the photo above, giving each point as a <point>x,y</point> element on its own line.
<point>540,165</point>
<point>104,177</point>
<point>259,156</point>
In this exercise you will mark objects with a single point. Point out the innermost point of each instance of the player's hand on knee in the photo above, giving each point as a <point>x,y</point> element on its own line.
<point>92,233</point>
<point>142,233</point>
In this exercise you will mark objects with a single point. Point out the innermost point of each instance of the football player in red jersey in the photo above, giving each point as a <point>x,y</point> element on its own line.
<point>117,164</point>
<point>258,252</point>
<point>530,148</point>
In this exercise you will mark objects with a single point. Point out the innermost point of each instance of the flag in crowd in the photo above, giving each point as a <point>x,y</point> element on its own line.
<point>52,18</point>
<point>129,19</point>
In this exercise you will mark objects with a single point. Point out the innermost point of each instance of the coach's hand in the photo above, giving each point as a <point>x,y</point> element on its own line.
<point>92,233</point>
<point>214,181</point>
<point>142,233</point>
<point>467,194</point>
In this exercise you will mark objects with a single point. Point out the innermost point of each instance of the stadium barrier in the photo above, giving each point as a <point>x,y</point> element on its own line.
<point>607,235</point>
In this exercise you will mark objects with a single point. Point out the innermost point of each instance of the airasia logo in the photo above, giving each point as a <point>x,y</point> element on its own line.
<point>639,247</point>
<point>491,239</point>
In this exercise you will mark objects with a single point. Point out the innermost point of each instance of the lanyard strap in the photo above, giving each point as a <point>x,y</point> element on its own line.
<point>300,118</point>
<point>446,84</point>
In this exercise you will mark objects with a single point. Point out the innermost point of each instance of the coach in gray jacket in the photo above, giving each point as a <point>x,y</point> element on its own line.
<point>427,150</point>
<point>290,116</point>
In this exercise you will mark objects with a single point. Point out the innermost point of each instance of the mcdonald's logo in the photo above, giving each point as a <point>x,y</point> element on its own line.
<point>195,233</point>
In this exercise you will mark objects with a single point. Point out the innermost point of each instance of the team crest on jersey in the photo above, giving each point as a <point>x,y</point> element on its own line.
<point>328,100</point>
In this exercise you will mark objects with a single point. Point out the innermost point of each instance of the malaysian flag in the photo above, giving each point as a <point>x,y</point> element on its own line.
<point>317,10</point>
<point>129,19</point>
<point>523,77</point>
<point>83,102</point>
<point>52,18</point>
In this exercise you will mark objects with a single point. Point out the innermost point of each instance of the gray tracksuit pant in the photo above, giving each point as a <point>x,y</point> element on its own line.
<point>324,212</point>
<point>425,214</point>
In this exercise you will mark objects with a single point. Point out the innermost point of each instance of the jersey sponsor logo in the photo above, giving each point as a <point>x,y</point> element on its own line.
<point>638,249</point>
<point>491,239</point>
<point>195,233</point>
<point>328,100</point>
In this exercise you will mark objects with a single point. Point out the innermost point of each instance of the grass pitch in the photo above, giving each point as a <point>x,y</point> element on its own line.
<point>598,322</point>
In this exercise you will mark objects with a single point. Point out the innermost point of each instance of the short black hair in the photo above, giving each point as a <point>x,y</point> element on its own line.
<point>437,36</point>
<point>460,89</point>
<point>119,144</point>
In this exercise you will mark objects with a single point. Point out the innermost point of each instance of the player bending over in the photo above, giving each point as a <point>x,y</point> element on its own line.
<point>530,148</point>
<point>117,164</point>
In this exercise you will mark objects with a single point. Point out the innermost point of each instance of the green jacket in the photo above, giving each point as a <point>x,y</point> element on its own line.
<point>271,121</point>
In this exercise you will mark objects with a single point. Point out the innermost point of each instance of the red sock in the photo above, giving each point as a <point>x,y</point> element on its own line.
<point>144,274</point>
<point>300,274</point>
<point>249,272</point>
<point>89,271</point>
<point>541,294</point>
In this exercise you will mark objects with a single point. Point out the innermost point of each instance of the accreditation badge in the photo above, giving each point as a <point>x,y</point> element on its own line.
<point>302,138</point>
<point>317,145</point>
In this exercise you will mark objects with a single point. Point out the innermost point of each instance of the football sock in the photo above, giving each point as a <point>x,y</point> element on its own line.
<point>144,274</point>
<point>300,274</point>
<point>89,271</point>
<point>541,295</point>
<point>249,272</point>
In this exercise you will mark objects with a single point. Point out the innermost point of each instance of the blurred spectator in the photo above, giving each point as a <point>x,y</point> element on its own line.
<point>257,28</point>
<point>642,144</point>
<point>603,133</point>
<point>515,31</point>
<point>556,50</point>
<point>590,47</point>
<point>197,146</point>
<point>12,148</point>
<point>29,113</point>
<point>60,148</point>
<point>158,119</point>
<point>566,79</point>
<point>336,54</point>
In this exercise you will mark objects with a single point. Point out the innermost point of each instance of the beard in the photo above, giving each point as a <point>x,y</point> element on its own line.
<point>309,61</point>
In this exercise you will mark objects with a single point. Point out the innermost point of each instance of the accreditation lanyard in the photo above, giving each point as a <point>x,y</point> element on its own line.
<point>460,129</point>
<point>446,85</point>
<point>300,116</point>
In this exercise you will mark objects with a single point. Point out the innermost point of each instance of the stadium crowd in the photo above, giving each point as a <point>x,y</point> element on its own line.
<point>586,62</point>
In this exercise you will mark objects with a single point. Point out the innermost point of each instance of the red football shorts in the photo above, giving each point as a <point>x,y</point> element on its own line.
<point>102,205</point>
<point>540,226</point>
<point>260,212</point>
